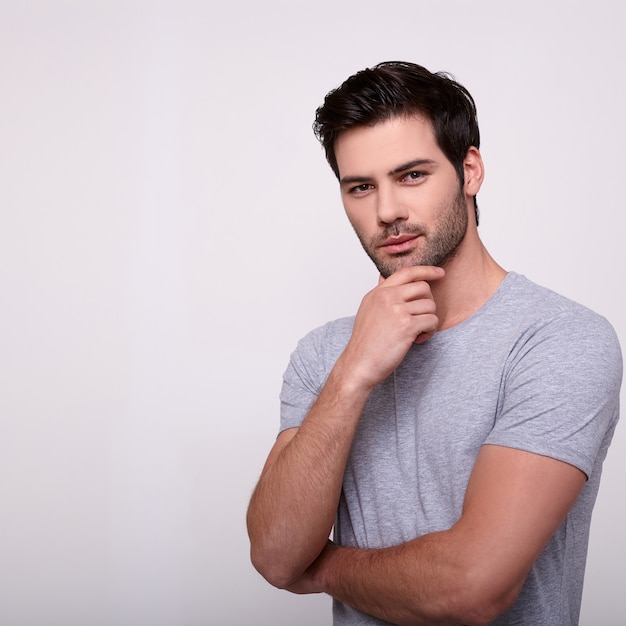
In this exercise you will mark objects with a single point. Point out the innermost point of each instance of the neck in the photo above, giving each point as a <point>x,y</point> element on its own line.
<point>472,277</point>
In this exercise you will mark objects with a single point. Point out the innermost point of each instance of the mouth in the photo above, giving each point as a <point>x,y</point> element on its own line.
<point>398,245</point>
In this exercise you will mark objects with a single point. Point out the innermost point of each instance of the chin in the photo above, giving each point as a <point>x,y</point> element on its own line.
<point>389,268</point>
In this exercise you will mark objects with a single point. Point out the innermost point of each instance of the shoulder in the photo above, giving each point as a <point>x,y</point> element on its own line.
<point>309,367</point>
<point>543,310</point>
<point>318,350</point>
<point>328,338</point>
<point>562,377</point>
<point>563,335</point>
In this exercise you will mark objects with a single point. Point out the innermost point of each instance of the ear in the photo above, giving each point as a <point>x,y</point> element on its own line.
<point>473,170</point>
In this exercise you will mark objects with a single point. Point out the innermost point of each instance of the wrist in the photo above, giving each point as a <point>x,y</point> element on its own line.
<point>348,377</point>
<point>320,570</point>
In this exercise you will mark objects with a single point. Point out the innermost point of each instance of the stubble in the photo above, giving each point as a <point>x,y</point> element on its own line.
<point>436,246</point>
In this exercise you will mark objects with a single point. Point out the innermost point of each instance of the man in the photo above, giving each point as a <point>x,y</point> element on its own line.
<point>453,432</point>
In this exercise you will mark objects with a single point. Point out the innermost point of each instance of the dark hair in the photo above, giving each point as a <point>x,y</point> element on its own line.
<point>394,89</point>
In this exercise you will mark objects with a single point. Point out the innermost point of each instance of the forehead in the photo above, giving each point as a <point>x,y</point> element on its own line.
<point>366,149</point>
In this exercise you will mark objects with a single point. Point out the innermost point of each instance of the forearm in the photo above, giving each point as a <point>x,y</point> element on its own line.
<point>435,579</point>
<point>472,572</point>
<point>294,505</point>
<point>396,584</point>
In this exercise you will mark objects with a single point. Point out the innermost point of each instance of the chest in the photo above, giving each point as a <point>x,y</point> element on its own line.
<point>417,442</point>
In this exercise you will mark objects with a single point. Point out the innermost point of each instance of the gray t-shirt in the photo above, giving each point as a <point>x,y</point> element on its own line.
<point>530,370</point>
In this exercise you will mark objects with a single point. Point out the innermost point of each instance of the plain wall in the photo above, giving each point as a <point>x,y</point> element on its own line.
<point>168,231</point>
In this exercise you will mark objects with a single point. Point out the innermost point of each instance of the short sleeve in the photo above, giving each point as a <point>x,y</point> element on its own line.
<point>560,389</point>
<point>308,369</point>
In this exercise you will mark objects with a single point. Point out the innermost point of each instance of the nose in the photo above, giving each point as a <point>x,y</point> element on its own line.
<point>389,207</point>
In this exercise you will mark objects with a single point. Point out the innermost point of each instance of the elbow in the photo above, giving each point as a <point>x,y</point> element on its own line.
<point>484,613</point>
<point>480,601</point>
<point>270,565</point>
<point>269,556</point>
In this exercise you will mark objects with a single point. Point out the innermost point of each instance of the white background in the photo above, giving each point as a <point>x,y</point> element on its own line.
<point>168,231</point>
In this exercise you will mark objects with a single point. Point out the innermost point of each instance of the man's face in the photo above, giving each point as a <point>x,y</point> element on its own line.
<point>401,194</point>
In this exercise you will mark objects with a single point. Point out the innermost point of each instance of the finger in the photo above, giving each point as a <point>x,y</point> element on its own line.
<point>419,290</point>
<point>414,273</point>
<point>422,337</point>
<point>422,306</point>
<point>428,324</point>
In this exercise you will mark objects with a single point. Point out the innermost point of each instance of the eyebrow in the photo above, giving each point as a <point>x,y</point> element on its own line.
<point>410,165</point>
<point>350,180</point>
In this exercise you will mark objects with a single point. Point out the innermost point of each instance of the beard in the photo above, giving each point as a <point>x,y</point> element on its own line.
<point>436,245</point>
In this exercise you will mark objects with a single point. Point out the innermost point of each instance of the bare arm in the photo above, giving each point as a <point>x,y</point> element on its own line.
<point>472,572</point>
<point>293,508</point>
<point>294,505</point>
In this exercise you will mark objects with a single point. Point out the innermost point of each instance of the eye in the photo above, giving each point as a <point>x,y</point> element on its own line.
<point>361,189</point>
<point>413,176</point>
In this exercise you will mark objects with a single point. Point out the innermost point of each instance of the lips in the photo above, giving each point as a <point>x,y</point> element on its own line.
<point>395,245</point>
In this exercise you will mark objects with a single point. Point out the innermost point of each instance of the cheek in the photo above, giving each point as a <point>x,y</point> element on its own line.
<point>362,217</point>
<point>358,224</point>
